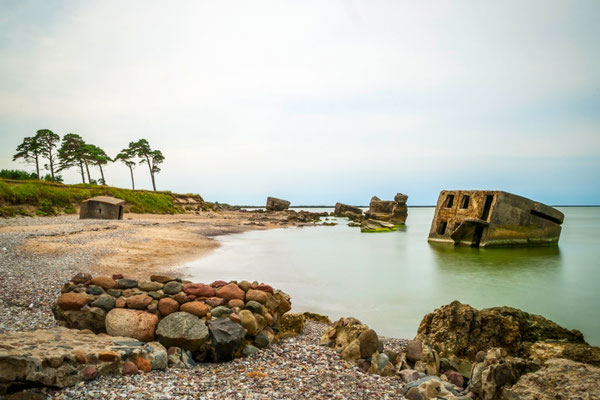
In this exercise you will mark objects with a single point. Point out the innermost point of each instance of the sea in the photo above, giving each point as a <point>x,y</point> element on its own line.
<point>390,280</point>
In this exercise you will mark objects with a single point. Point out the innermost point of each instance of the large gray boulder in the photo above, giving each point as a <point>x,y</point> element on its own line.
<point>226,337</point>
<point>275,204</point>
<point>182,329</point>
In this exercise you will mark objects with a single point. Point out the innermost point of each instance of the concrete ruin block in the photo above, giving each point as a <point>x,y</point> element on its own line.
<point>392,211</point>
<point>102,207</point>
<point>275,204</point>
<point>489,218</point>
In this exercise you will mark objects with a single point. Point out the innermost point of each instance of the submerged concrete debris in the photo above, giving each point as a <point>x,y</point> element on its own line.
<point>490,218</point>
<point>275,204</point>
<point>393,211</point>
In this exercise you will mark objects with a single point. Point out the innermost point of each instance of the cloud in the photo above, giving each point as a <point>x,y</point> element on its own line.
<point>248,94</point>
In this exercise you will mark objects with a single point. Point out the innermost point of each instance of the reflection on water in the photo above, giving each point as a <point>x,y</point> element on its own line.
<point>391,280</point>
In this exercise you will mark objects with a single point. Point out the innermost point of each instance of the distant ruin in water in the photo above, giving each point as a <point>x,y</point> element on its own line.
<point>490,218</point>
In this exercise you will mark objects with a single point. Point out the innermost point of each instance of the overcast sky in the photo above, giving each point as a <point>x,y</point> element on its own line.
<point>316,102</point>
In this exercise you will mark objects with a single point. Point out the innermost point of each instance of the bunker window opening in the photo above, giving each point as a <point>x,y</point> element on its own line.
<point>449,201</point>
<point>442,227</point>
<point>99,211</point>
<point>465,202</point>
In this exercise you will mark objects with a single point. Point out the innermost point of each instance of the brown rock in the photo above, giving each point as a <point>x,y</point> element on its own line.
<point>455,378</point>
<point>181,298</point>
<point>265,288</point>
<point>413,351</point>
<point>231,291</point>
<point>72,301</point>
<point>121,302</point>
<point>256,295</point>
<point>196,308</point>
<point>218,284</point>
<point>143,364</point>
<point>80,356</point>
<point>291,324</point>
<point>139,302</point>
<point>108,356</point>
<point>81,278</point>
<point>368,341</point>
<point>167,306</point>
<point>236,303</point>
<point>199,290</point>
<point>129,368</point>
<point>235,318</point>
<point>137,324</point>
<point>105,282</point>
<point>161,278</point>
<point>89,373</point>
<point>217,301</point>
<point>245,285</point>
<point>116,277</point>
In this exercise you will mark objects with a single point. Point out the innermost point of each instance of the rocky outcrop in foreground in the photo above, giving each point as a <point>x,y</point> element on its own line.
<point>63,357</point>
<point>492,352</point>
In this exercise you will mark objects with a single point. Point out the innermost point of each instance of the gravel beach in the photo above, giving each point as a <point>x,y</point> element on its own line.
<point>296,368</point>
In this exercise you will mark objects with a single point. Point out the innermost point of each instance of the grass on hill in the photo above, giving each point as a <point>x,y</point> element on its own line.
<point>46,198</point>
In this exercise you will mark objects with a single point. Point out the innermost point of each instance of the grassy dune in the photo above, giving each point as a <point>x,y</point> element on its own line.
<point>47,198</point>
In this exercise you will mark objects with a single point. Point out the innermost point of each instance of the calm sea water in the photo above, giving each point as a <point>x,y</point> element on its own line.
<point>391,280</point>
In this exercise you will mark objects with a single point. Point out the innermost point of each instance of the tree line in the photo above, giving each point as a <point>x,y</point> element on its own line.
<point>74,152</point>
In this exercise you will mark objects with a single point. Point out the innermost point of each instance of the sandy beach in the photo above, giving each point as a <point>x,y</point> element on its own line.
<point>40,254</point>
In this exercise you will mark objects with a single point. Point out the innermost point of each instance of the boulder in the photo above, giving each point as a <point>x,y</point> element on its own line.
<point>81,278</point>
<point>343,336</point>
<point>182,329</point>
<point>497,372</point>
<point>291,324</point>
<point>199,289</point>
<point>72,301</point>
<point>139,301</point>
<point>161,278</point>
<point>350,212</point>
<point>137,324</point>
<point>275,204</point>
<point>368,342</point>
<point>196,308</point>
<point>126,283</point>
<point>149,286</point>
<point>231,291</point>
<point>217,301</point>
<point>180,358</point>
<point>167,306</point>
<point>220,312</point>
<point>105,282</point>
<point>92,319</point>
<point>172,287</point>
<point>459,330</point>
<point>226,337</point>
<point>256,295</point>
<point>248,322</point>
<point>544,351</point>
<point>105,302</point>
<point>558,379</point>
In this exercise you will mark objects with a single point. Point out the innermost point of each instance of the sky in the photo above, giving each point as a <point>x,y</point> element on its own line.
<point>315,101</point>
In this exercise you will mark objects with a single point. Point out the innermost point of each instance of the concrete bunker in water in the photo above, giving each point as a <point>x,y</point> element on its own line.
<point>490,218</point>
<point>102,207</point>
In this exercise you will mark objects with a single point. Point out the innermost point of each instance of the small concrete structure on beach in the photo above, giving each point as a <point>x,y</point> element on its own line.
<point>102,207</point>
<point>488,218</point>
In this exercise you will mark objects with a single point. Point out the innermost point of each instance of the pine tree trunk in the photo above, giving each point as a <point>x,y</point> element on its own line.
<point>87,167</point>
<point>51,163</point>
<point>132,182</point>
<point>37,166</point>
<point>151,173</point>
<point>102,174</point>
<point>82,175</point>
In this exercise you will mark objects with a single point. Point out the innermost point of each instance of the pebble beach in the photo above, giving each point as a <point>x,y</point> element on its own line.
<point>296,368</point>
